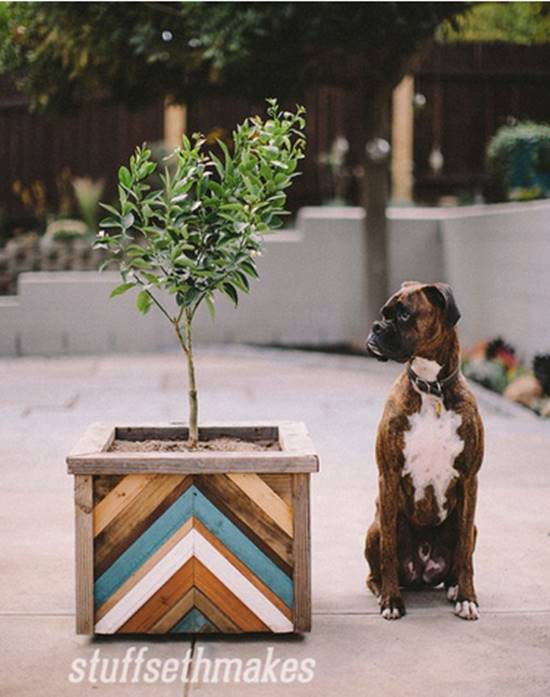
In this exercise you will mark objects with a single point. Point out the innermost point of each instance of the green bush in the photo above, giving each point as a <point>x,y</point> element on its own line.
<point>518,163</point>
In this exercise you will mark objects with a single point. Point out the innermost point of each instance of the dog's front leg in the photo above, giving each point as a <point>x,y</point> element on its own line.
<point>466,601</point>
<point>391,604</point>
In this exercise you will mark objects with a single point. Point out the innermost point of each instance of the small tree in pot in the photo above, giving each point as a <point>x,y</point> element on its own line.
<point>200,231</point>
<point>196,539</point>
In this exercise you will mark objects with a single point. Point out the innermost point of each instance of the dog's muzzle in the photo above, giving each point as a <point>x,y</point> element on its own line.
<point>373,349</point>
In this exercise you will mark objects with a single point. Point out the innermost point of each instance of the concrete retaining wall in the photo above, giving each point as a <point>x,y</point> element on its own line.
<point>313,286</point>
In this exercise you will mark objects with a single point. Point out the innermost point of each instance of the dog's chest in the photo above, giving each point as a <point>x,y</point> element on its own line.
<point>431,446</point>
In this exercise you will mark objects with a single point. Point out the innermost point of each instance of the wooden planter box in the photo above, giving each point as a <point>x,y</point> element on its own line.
<point>176,542</point>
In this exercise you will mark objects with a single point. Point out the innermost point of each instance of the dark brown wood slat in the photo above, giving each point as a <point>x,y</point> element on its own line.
<point>151,503</point>
<point>103,484</point>
<point>302,553</point>
<point>249,517</point>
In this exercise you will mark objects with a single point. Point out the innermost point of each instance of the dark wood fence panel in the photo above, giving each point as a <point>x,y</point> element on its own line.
<point>91,142</point>
<point>471,90</point>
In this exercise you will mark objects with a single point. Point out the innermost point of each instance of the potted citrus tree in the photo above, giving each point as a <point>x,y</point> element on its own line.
<point>196,527</point>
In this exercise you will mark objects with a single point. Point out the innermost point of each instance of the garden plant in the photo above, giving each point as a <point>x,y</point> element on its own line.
<point>193,231</point>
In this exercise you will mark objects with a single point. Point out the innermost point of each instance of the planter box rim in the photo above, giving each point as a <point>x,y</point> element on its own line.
<point>91,456</point>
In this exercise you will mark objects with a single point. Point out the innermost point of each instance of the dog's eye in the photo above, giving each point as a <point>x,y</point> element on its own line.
<point>403,315</point>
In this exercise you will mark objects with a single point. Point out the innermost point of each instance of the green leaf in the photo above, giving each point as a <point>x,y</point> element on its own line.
<point>122,288</point>
<point>111,209</point>
<point>211,306</point>
<point>106,264</point>
<point>143,302</point>
<point>230,291</point>
<point>124,177</point>
<point>128,220</point>
<point>249,268</point>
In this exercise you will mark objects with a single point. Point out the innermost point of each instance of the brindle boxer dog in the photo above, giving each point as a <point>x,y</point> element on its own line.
<point>429,450</point>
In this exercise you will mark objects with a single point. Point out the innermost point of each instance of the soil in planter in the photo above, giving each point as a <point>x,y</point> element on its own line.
<point>223,444</point>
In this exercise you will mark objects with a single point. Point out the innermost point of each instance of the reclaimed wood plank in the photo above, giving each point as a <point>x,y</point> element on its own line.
<point>253,432</point>
<point>118,615</point>
<point>245,571</point>
<point>209,462</point>
<point>103,483</point>
<point>244,548</point>
<point>302,554</point>
<point>95,439</point>
<point>167,596</point>
<point>281,485</point>
<point>84,554</point>
<point>118,498</point>
<point>195,623</point>
<point>294,438</point>
<point>222,597</point>
<point>144,569</point>
<point>264,497</point>
<point>249,517</point>
<point>214,614</point>
<point>174,614</point>
<point>240,586</point>
<point>155,498</point>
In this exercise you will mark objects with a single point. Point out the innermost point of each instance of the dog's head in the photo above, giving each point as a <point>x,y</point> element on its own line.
<point>415,321</point>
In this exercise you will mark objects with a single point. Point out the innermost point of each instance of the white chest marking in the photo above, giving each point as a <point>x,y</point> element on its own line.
<point>431,447</point>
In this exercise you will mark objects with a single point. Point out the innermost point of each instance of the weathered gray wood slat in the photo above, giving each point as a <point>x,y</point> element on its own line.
<point>189,463</point>
<point>176,432</point>
<point>84,554</point>
<point>90,456</point>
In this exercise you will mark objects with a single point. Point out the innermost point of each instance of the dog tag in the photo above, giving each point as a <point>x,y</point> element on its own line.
<point>438,408</point>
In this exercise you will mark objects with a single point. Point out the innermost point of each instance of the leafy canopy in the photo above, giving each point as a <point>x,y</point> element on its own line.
<point>525,23</point>
<point>200,228</point>
<point>62,53</point>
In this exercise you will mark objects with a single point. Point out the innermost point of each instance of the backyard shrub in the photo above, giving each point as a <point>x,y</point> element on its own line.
<point>518,163</point>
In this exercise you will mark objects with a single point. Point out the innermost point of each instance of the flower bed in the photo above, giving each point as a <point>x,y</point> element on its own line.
<point>495,365</point>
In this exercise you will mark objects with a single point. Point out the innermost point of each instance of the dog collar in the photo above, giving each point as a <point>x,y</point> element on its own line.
<point>433,387</point>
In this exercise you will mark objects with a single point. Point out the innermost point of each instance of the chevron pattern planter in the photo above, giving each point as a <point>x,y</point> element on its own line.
<point>172,542</point>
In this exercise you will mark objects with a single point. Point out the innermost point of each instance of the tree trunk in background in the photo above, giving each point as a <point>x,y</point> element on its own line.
<point>402,141</point>
<point>374,198</point>
<point>175,124</point>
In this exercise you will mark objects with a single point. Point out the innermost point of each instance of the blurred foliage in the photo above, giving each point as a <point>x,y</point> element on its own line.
<point>88,194</point>
<point>512,22</point>
<point>518,162</point>
<point>63,53</point>
<point>493,364</point>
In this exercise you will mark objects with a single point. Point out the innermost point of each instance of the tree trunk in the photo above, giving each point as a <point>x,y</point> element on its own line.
<point>374,198</point>
<point>186,343</point>
<point>193,398</point>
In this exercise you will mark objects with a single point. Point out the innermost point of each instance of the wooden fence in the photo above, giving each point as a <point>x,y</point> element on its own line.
<point>470,90</point>
<point>93,141</point>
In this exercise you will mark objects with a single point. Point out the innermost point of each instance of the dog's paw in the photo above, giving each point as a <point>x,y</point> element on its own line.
<point>452,594</point>
<point>391,607</point>
<point>467,610</point>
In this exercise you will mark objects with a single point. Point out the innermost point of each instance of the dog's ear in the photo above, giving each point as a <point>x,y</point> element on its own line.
<point>441,295</point>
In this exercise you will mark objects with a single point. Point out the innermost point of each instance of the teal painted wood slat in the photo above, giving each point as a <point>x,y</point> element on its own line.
<point>193,502</point>
<point>194,621</point>
<point>145,546</point>
<point>244,549</point>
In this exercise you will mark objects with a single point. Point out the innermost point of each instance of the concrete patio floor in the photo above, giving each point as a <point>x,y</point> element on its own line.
<point>46,404</point>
